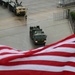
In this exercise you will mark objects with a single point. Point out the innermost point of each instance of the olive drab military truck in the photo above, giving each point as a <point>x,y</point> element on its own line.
<point>37,35</point>
<point>17,8</point>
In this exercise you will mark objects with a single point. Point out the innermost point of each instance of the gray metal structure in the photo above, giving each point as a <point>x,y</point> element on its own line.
<point>66,2</point>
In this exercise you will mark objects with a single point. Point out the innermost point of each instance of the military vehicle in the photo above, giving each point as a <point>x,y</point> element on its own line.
<point>0,2</point>
<point>4,2</point>
<point>37,35</point>
<point>17,8</point>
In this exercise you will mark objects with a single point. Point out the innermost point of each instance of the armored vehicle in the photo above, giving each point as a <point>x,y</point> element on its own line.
<point>37,35</point>
<point>17,8</point>
<point>0,2</point>
<point>5,3</point>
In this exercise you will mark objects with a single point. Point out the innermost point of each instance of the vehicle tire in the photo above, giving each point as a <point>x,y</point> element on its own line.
<point>1,3</point>
<point>44,44</point>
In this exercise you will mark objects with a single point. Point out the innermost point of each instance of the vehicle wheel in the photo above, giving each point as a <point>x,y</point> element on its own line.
<point>44,44</point>
<point>1,3</point>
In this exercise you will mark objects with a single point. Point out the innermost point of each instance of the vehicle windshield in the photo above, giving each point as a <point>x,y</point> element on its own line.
<point>40,36</point>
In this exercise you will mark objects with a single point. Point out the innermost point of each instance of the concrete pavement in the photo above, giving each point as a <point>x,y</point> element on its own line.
<point>14,31</point>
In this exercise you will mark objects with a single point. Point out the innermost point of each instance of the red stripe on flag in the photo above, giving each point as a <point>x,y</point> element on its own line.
<point>54,59</point>
<point>31,72</point>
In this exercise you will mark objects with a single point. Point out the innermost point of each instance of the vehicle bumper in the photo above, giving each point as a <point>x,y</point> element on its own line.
<point>21,13</point>
<point>40,42</point>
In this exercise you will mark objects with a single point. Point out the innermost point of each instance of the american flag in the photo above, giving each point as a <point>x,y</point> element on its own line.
<point>55,59</point>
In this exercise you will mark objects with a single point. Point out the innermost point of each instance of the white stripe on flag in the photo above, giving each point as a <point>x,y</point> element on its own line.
<point>46,58</point>
<point>8,55</point>
<point>38,68</point>
<point>59,49</point>
<point>7,50</point>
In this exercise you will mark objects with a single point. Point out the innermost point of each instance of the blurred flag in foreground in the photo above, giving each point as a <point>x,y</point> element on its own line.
<point>54,59</point>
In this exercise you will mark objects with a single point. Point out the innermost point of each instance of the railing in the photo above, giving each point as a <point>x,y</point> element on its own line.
<point>65,3</point>
<point>72,21</point>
